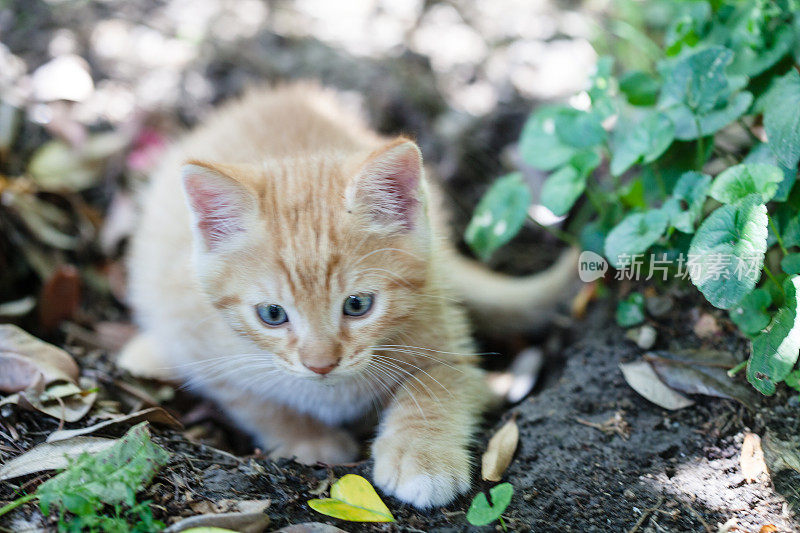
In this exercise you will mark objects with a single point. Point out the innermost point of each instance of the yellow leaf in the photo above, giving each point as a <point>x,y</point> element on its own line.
<point>354,499</point>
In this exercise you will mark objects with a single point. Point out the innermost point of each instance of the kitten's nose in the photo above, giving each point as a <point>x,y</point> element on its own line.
<point>322,370</point>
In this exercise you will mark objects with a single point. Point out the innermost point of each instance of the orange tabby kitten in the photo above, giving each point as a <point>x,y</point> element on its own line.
<point>290,263</point>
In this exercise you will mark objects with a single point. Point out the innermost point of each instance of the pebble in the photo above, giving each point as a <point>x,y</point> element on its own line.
<point>629,494</point>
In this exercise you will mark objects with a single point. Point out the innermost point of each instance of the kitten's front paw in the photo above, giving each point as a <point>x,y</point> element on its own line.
<point>334,447</point>
<point>424,474</point>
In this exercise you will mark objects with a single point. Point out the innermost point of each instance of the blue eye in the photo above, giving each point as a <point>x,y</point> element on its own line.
<point>357,304</point>
<point>271,314</point>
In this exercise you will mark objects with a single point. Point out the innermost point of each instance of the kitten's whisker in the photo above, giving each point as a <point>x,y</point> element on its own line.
<point>413,376</point>
<point>402,384</point>
<point>432,350</point>
<point>416,367</point>
<point>422,355</point>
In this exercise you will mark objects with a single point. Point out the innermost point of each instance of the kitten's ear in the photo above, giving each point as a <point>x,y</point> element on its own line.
<point>220,205</point>
<point>388,188</point>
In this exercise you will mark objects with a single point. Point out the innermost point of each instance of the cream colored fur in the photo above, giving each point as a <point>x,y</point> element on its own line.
<point>311,215</point>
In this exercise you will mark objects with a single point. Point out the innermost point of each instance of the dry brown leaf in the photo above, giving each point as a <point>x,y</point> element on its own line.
<point>155,415</point>
<point>66,401</point>
<point>23,358</point>
<point>60,297</point>
<point>500,451</point>
<point>249,522</point>
<point>644,380</point>
<point>768,528</point>
<point>781,454</point>
<point>752,458</point>
<point>580,302</point>
<point>52,456</point>
<point>311,527</point>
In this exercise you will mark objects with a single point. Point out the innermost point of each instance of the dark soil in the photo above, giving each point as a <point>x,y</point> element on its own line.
<point>662,471</point>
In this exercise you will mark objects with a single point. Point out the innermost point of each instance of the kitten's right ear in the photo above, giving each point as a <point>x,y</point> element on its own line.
<point>220,205</point>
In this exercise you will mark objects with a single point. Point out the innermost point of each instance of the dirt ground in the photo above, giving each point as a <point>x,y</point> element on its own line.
<point>650,470</point>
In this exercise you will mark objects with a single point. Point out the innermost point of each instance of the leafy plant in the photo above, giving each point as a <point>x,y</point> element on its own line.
<point>632,169</point>
<point>111,477</point>
<point>481,513</point>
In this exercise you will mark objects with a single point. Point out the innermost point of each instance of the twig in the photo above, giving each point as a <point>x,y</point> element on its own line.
<point>645,514</point>
<point>699,517</point>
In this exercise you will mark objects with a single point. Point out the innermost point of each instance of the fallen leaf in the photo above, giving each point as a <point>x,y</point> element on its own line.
<point>480,513</point>
<point>353,498</point>
<point>155,415</point>
<point>64,401</point>
<point>768,528</point>
<point>644,380</point>
<point>247,522</point>
<point>752,458</point>
<point>781,454</point>
<point>580,302</point>
<point>60,297</point>
<point>311,527</point>
<point>23,358</point>
<point>698,378</point>
<point>500,451</point>
<point>52,456</point>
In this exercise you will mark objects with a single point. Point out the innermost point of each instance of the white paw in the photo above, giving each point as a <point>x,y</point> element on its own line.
<point>330,448</point>
<point>420,476</point>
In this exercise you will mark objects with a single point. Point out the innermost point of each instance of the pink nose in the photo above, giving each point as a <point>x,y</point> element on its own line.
<point>322,370</point>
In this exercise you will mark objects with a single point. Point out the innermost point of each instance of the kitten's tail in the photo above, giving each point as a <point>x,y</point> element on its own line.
<point>505,304</point>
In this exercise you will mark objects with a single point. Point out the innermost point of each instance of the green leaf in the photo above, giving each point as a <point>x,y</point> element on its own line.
<point>751,313</point>
<point>697,80</point>
<point>480,513</point>
<point>639,88</point>
<point>499,215</point>
<point>740,181</point>
<point>645,141</point>
<point>727,252</point>
<point>688,198</point>
<point>775,350</point>
<point>630,311</point>
<point>634,235</point>
<point>790,264</point>
<point>793,380</point>
<point>761,153</point>
<point>353,498</point>
<point>782,119</point>
<point>602,103</point>
<point>111,476</point>
<point>751,62</point>
<point>539,145</point>
<point>579,129</point>
<point>564,186</point>
<point>689,125</point>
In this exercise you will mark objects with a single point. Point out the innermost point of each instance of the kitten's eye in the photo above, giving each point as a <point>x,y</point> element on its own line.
<point>357,304</point>
<point>271,314</point>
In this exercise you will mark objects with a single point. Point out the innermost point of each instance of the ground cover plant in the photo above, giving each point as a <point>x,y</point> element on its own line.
<point>687,169</point>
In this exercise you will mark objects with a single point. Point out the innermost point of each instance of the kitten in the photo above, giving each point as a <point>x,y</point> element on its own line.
<point>293,265</point>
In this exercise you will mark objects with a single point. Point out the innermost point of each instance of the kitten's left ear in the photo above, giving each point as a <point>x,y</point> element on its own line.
<point>388,188</point>
<point>220,205</point>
